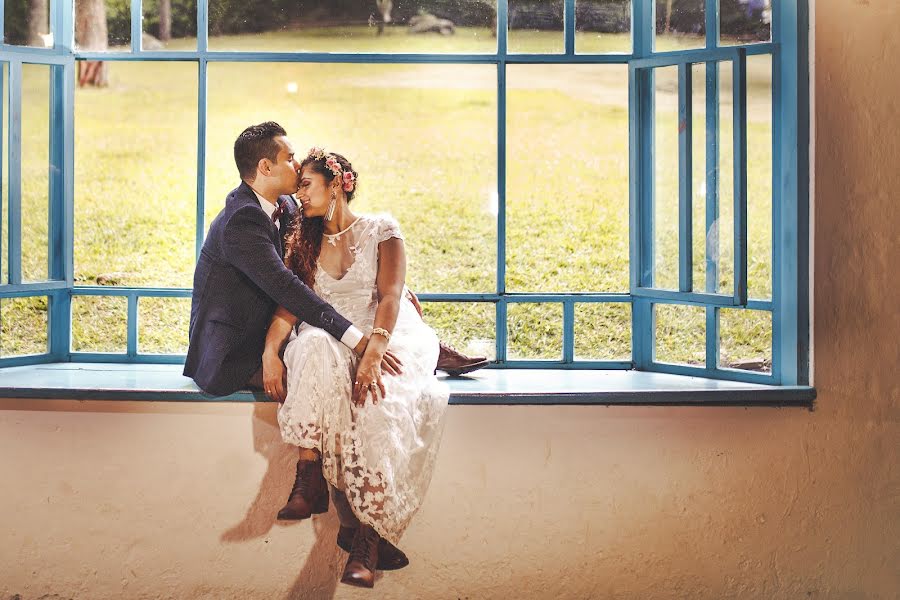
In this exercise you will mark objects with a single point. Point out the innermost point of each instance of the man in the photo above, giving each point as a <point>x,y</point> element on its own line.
<point>241,278</point>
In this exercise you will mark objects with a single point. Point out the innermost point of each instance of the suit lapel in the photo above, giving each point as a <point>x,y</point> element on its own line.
<point>285,220</point>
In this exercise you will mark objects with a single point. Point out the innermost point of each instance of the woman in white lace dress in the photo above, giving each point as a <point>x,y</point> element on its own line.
<point>373,437</point>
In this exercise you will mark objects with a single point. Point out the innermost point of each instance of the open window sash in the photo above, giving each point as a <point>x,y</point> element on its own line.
<point>642,183</point>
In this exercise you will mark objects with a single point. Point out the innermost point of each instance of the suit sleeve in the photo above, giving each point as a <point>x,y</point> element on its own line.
<point>247,245</point>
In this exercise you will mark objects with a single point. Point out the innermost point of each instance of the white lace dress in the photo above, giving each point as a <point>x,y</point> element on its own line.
<point>382,455</point>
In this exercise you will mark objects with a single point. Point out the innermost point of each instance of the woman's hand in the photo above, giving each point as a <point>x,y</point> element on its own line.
<point>368,378</point>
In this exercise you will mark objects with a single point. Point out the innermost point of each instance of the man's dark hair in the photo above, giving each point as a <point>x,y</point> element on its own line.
<point>254,143</point>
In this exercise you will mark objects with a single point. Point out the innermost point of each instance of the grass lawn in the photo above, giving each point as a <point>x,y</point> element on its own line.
<point>424,139</point>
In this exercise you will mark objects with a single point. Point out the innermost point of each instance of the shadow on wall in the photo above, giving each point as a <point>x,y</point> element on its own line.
<point>319,575</point>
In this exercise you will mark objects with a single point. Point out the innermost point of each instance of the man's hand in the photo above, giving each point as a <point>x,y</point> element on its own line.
<point>274,377</point>
<point>415,302</point>
<point>390,363</point>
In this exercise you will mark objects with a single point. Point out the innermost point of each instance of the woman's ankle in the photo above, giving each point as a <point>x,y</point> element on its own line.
<point>309,455</point>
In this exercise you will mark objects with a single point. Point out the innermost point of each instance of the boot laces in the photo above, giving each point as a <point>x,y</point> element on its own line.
<point>305,480</point>
<point>363,544</point>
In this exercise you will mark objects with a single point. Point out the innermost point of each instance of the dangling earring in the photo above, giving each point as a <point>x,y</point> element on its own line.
<point>330,212</point>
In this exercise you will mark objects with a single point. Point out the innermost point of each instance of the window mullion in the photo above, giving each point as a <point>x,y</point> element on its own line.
<point>200,224</point>
<point>712,23</point>
<point>501,329</point>
<point>202,26</point>
<point>739,104</point>
<point>685,173</point>
<point>137,28</point>
<point>569,26</point>
<point>14,235</point>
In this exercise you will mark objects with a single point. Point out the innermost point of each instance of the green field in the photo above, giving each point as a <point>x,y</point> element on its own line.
<point>424,139</point>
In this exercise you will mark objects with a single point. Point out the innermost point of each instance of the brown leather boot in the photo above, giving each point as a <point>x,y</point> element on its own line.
<point>360,569</point>
<point>453,362</point>
<point>309,496</point>
<point>390,557</point>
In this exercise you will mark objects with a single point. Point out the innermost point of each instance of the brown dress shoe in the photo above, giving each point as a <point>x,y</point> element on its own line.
<point>309,496</point>
<point>390,557</point>
<point>454,362</point>
<point>360,569</point>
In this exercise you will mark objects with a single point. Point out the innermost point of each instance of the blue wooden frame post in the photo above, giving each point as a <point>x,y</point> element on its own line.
<point>640,109</point>
<point>14,223</point>
<point>501,325</point>
<point>200,225</point>
<point>790,103</point>
<point>712,184</point>
<point>685,174</point>
<point>137,26</point>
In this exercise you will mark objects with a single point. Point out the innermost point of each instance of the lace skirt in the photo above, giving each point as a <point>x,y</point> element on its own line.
<point>381,455</point>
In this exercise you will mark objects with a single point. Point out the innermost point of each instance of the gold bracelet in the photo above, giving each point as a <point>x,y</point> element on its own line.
<point>382,331</point>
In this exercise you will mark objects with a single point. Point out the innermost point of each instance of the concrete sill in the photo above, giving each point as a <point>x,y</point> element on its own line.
<point>105,381</point>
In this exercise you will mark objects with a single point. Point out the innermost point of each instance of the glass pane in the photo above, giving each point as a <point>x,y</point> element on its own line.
<point>603,331</point>
<point>469,327</point>
<point>721,240</point>
<point>680,24</point>
<point>534,331</point>
<point>4,176</point>
<point>759,176</point>
<point>432,26</point>
<point>665,178</point>
<point>23,326</point>
<point>27,23</point>
<point>422,137</point>
<point>536,27</point>
<point>99,324</point>
<point>698,162</point>
<point>135,184</point>
<point>602,26</point>
<point>567,178</point>
<point>680,334</point>
<point>163,325</point>
<point>745,339</point>
<point>744,21</point>
<point>35,171</point>
<point>100,26</point>
<point>169,25</point>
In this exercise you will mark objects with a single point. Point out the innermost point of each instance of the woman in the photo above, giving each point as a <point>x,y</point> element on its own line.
<point>374,438</point>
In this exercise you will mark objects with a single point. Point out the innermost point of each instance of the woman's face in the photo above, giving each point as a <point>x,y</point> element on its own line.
<point>314,194</point>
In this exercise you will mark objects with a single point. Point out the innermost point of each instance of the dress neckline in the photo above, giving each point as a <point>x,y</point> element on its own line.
<point>333,237</point>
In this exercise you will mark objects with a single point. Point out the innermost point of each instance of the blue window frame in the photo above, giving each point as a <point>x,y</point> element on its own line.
<point>786,309</point>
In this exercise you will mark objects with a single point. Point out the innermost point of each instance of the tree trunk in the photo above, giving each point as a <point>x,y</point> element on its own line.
<point>90,34</point>
<point>165,20</point>
<point>37,22</point>
<point>668,15</point>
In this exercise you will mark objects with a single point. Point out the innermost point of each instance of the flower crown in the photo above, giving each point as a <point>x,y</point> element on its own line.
<point>348,178</point>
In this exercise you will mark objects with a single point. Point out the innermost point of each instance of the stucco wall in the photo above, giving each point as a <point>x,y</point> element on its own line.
<point>150,500</point>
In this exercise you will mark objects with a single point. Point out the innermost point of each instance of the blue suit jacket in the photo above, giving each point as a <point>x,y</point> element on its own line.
<point>239,280</point>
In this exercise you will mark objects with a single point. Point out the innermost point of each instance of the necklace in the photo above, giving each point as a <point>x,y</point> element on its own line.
<point>333,238</point>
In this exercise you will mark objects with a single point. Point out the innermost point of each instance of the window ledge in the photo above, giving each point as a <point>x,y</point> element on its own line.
<point>103,381</point>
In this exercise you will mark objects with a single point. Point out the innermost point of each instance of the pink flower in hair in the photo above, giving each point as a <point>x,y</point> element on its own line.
<point>349,181</point>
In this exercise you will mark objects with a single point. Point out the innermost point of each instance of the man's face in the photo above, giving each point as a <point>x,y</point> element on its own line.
<point>284,170</point>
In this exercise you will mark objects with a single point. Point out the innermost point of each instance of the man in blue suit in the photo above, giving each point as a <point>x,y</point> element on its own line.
<point>241,278</point>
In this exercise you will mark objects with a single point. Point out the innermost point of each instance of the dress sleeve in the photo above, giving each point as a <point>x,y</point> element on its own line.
<point>388,228</point>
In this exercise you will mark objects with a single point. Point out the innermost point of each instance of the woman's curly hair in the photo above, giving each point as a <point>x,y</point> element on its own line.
<point>304,239</point>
